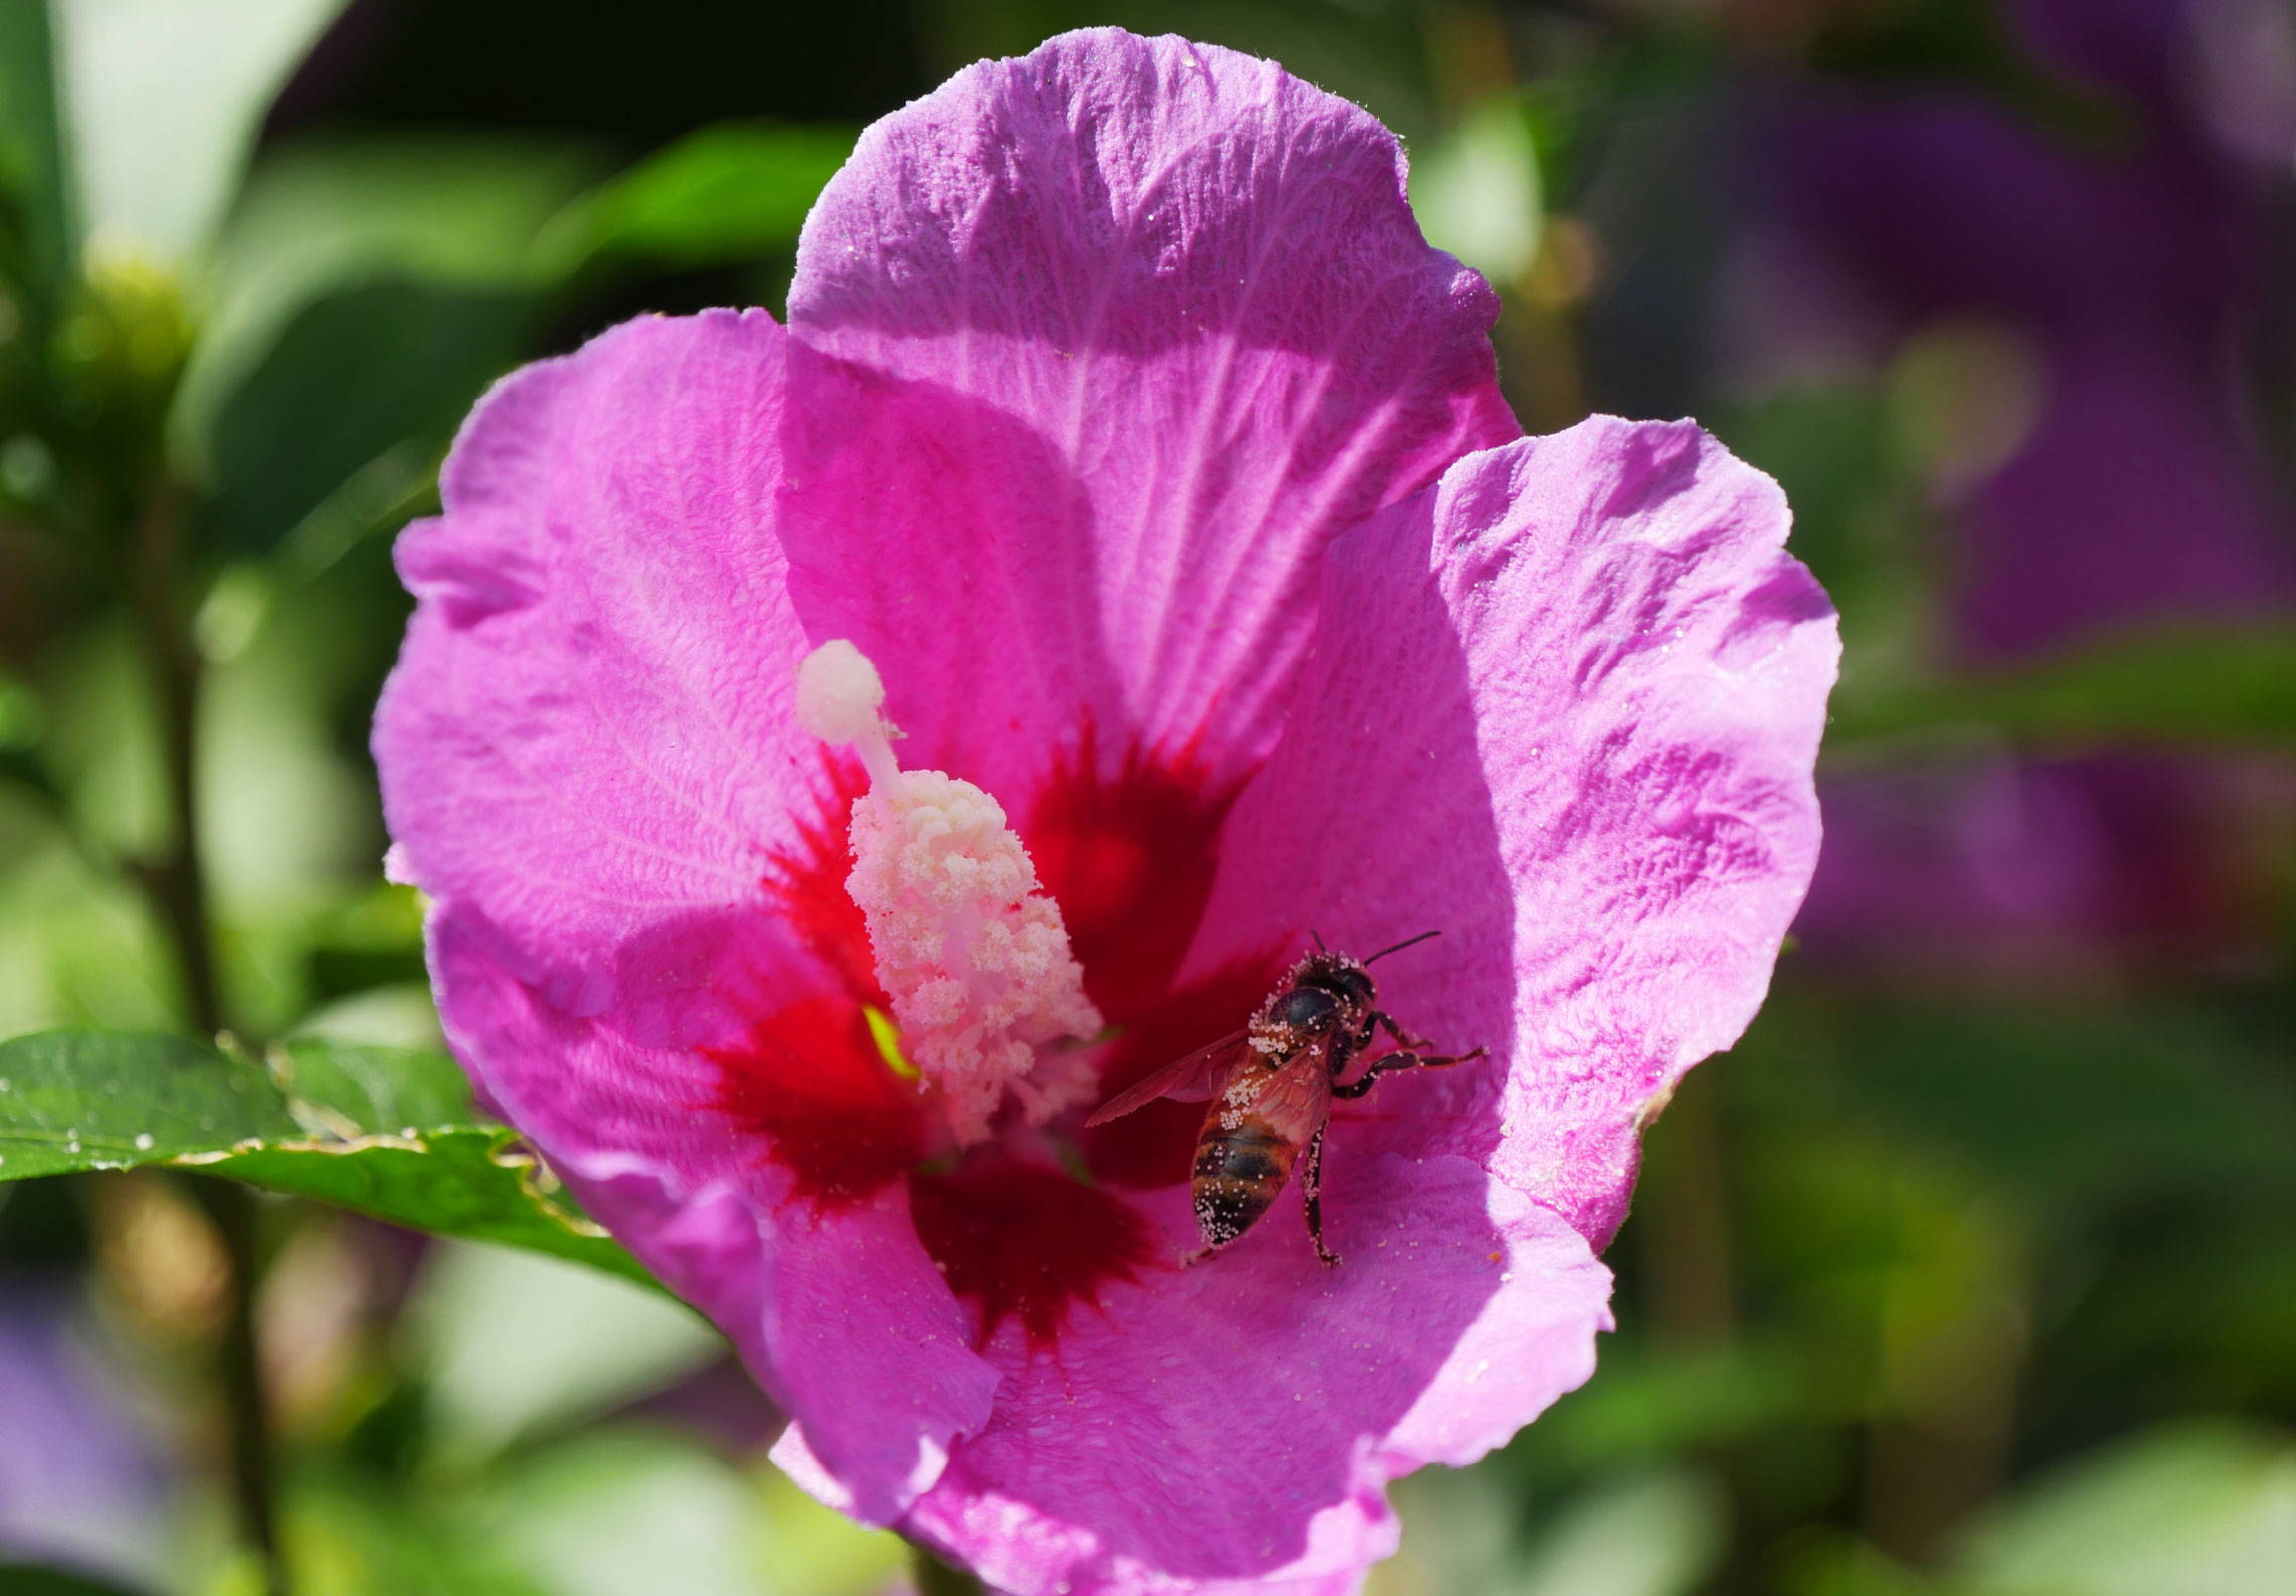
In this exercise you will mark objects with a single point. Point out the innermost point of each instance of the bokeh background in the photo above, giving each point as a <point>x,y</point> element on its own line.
<point>1970,1272</point>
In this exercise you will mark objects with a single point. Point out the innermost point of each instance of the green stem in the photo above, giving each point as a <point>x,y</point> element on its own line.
<point>230,1209</point>
<point>179,879</point>
<point>178,886</point>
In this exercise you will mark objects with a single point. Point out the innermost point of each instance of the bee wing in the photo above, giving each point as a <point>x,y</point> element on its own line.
<point>1296,1100</point>
<point>1191,1079</point>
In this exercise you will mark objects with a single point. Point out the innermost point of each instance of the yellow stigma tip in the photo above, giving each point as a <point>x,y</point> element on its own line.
<point>887,1036</point>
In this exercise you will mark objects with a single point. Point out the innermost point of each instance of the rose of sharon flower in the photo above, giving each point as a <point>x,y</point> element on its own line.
<point>1127,428</point>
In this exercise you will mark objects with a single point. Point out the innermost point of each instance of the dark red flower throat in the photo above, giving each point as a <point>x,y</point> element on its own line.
<point>1129,856</point>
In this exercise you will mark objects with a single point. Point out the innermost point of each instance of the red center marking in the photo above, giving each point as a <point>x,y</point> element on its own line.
<point>807,1077</point>
<point>1130,859</point>
<point>809,880</point>
<point>808,1080</point>
<point>1025,1242</point>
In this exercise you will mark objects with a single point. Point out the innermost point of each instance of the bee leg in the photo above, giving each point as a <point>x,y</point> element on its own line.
<point>1210,1250</point>
<point>1312,1183</point>
<point>1402,1060</point>
<point>1368,1032</point>
<point>1386,1021</point>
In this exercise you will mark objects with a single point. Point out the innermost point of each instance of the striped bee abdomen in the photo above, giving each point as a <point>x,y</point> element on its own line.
<point>1239,1171</point>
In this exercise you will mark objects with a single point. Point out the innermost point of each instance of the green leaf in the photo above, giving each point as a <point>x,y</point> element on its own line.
<point>730,193</point>
<point>386,1131</point>
<point>513,1345</point>
<point>2201,1507</point>
<point>471,1183</point>
<point>164,102</point>
<point>1477,192</point>
<point>366,293</point>
<point>623,1509</point>
<point>323,217</point>
<point>2221,685</point>
<point>93,1100</point>
<point>35,196</point>
<point>1660,1534</point>
<point>350,1534</point>
<point>2068,1105</point>
<point>1648,1407</point>
<point>466,210</point>
<point>350,380</point>
<point>375,1087</point>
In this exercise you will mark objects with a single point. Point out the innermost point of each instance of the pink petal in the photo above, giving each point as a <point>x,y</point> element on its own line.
<point>837,1309</point>
<point>1206,336</point>
<point>589,725</point>
<point>589,763</point>
<point>1232,1424</point>
<point>1563,708</point>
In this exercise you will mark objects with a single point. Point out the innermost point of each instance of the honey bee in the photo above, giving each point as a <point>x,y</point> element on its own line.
<point>1272,1085</point>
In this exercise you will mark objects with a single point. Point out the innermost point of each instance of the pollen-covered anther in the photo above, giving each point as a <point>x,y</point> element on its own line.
<point>973,955</point>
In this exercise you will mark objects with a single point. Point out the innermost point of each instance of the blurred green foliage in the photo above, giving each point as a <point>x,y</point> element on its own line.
<point>729,193</point>
<point>1948,1282</point>
<point>2225,685</point>
<point>39,234</point>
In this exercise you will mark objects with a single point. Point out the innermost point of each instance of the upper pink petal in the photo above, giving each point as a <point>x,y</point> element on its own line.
<point>1564,709</point>
<point>1208,335</point>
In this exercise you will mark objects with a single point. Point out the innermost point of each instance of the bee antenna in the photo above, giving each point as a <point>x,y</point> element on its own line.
<point>1408,941</point>
<point>1318,936</point>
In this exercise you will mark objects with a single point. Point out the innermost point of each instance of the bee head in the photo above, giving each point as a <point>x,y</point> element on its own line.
<point>1342,978</point>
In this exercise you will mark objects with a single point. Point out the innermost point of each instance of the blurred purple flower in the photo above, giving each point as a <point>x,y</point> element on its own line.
<point>2022,871</point>
<point>2139,271</point>
<point>1127,422</point>
<point>81,1484</point>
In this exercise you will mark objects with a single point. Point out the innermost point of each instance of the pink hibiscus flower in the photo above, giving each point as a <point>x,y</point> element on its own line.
<point>1126,422</point>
